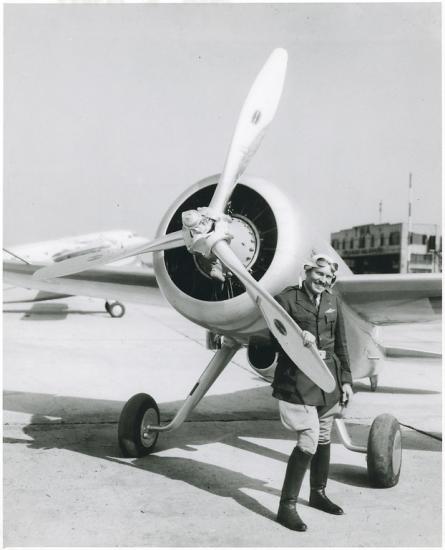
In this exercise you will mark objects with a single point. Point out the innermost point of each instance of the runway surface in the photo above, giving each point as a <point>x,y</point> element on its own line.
<point>68,370</point>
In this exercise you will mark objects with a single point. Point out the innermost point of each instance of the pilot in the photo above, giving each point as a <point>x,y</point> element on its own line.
<point>304,407</point>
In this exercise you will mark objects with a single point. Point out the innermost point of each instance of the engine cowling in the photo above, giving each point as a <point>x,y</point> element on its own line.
<point>270,238</point>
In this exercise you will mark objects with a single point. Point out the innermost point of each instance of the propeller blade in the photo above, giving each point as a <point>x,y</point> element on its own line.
<point>106,256</point>
<point>256,114</point>
<point>280,323</point>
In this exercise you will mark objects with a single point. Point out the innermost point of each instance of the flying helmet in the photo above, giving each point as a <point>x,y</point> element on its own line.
<point>322,260</point>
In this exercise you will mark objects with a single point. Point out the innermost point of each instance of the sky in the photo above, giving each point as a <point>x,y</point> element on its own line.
<point>112,110</point>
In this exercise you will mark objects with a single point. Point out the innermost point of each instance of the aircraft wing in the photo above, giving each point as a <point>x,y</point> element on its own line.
<point>129,284</point>
<point>16,295</point>
<point>393,298</point>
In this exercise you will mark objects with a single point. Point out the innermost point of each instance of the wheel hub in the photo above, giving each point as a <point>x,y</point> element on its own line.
<point>148,437</point>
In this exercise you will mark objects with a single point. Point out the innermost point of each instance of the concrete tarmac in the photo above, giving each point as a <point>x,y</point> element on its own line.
<point>68,370</point>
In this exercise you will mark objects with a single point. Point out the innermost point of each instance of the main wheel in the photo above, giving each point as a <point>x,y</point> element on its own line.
<point>384,456</point>
<point>135,440</point>
<point>115,309</point>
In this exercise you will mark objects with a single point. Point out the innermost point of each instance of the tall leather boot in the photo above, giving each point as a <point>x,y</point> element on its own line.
<point>296,468</point>
<point>319,478</point>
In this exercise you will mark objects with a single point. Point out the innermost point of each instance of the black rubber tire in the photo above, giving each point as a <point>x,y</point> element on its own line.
<point>130,422</point>
<point>384,455</point>
<point>116,310</point>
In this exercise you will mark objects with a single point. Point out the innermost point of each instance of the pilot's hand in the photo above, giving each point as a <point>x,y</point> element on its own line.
<point>308,338</point>
<point>346,394</point>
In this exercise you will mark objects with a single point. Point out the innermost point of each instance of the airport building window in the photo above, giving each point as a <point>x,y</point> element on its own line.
<point>432,242</point>
<point>351,243</point>
<point>343,244</point>
<point>382,239</point>
<point>421,258</point>
<point>361,242</point>
<point>372,244</point>
<point>394,238</point>
<point>416,238</point>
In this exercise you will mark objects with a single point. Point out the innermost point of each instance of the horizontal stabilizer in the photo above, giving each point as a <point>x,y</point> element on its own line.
<point>393,351</point>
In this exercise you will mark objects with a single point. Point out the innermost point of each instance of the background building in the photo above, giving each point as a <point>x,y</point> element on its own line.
<point>390,248</point>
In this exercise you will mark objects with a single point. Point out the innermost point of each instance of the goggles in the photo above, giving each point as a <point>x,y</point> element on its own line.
<point>320,260</point>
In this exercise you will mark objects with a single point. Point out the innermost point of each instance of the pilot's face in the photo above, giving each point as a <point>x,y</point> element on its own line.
<point>318,279</point>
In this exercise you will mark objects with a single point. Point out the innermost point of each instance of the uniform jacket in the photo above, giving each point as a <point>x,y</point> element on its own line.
<point>326,324</point>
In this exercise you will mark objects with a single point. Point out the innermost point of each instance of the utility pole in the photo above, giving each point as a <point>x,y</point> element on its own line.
<point>380,211</point>
<point>410,218</point>
<point>410,205</point>
<point>436,252</point>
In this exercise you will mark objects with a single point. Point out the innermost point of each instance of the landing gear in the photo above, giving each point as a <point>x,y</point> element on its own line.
<point>384,456</point>
<point>135,439</point>
<point>115,309</point>
<point>374,379</point>
<point>139,427</point>
<point>383,452</point>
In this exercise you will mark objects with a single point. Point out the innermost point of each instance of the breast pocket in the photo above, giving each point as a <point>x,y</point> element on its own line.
<point>330,318</point>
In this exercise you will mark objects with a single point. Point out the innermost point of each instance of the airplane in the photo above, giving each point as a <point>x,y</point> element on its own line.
<point>57,250</point>
<point>223,249</point>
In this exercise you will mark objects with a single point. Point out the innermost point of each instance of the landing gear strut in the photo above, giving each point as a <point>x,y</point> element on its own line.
<point>139,427</point>
<point>374,379</point>
<point>115,309</point>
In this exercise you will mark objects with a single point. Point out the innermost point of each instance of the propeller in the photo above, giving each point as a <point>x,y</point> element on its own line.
<point>280,323</point>
<point>256,114</point>
<point>206,230</point>
<point>93,259</point>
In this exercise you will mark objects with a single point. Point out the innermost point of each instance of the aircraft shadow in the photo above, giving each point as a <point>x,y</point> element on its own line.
<point>51,312</point>
<point>100,441</point>
<point>211,478</point>
<point>56,424</point>
<point>215,408</point>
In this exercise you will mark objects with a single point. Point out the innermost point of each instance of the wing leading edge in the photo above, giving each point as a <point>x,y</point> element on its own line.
<point>132,285</point>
